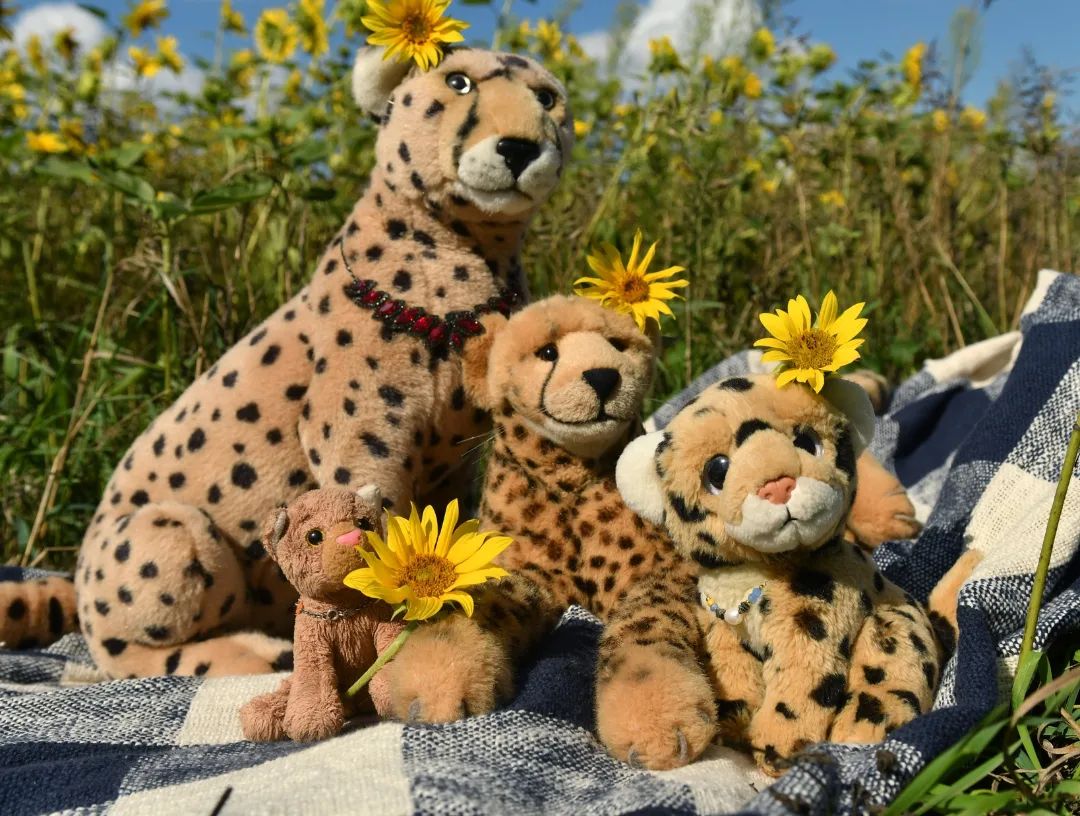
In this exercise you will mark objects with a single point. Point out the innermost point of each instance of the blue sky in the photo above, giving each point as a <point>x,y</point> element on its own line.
<point>856,30</point>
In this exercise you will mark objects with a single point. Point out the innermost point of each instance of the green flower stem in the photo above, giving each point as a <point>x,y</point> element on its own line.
<point>1044,558</point>
<point>383,659</point>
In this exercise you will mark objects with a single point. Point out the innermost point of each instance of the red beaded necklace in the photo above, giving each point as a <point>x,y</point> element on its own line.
<point>449,331</point>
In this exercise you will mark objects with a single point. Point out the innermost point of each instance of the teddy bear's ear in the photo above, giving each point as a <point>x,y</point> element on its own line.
<point>374,79</point>
<point>637,479</point>
<point>274,531</point>
<point>854,403</point>
<point>372,494</point>
<point>474,358</point>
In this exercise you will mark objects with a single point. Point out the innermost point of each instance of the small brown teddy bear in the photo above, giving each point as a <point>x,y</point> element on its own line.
<point>339,632</point>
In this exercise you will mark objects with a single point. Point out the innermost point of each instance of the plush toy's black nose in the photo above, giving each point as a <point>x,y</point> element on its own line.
<point>602,380</point>
<point>519,154</point>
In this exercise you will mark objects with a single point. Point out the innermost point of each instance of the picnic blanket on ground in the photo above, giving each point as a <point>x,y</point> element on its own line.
<point>978,438</point>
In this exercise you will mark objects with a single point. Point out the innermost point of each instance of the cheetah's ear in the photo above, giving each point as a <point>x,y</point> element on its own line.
<point>638,481</point>
<point>474,358</point>
<point>854,403</point>
<point>374,79</point>
<point>275,531</point>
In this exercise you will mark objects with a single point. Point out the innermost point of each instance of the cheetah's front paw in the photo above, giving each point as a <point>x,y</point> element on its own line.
<point>776,737</point>
<point>448,670</point>
<point>655,712</point>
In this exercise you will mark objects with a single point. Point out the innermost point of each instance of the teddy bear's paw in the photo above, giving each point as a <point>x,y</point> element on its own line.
<point>656,713</point>
<point>315,718</point>
<point>262,719</point>
<point>447,671</point>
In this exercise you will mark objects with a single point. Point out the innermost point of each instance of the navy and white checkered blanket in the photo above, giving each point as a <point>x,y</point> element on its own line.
<point>978,438</point>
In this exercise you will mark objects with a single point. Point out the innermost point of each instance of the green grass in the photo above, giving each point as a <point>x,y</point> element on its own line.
<point>167,230</point>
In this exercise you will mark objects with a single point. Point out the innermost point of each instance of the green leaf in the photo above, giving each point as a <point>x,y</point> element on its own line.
<point>309,151</point>
<point>125,155</point>
<point>230,195</point>
<point>955,756</point>
<point>1025,671</point>
<point>319,194</point>
<point>97,11</point>
<point>65,168</point>
<point>131,186</point>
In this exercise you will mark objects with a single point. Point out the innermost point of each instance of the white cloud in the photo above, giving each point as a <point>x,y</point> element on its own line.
<point>49,19</point>
<point>731,22</point>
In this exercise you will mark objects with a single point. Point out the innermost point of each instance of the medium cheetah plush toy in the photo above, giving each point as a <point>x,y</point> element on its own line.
<point>357,379</point>
<point>339,632</point>
<point>565,379</point>
<point>803,638</point>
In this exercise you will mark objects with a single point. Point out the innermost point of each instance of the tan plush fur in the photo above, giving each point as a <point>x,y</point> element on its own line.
<point>550,485</point>
<point>314,542</point>
<point>755,484</point>
<point>35,613</point>
<point>565,379</point>
<point>322,394</point>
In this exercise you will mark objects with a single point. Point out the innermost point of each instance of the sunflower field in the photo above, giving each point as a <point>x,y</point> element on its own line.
<point>144,230</point>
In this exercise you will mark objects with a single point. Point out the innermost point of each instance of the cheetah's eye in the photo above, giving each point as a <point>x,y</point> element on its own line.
<point>715,473</point>
<point>619,345</point>
<point>459,82</point>
<point>364,524</point>
<point>547,98</point>
<point>314,537</point>
<point>807,439</point>
<point>550,353</point>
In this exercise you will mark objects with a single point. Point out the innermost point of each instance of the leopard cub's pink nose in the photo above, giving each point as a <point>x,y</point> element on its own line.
<point>778,491</point>
<point>350,539</point>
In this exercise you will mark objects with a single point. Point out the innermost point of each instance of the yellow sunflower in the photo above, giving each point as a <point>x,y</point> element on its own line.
<point>276,36</point>
<point>630,288</point>
<point>145,64</point>
<point>313,29</point>
<point>423,565</point>
<point>168,54</point>
<point>147,14</point>
<point>805,350</point>
<point>45,142</point>
<point>231,19</point>
<point>412,29</point>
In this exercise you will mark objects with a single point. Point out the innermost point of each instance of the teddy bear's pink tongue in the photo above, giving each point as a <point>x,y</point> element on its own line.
<point>350,539</point>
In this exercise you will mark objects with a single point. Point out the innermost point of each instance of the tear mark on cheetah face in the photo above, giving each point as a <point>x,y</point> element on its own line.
<point>484,134</point>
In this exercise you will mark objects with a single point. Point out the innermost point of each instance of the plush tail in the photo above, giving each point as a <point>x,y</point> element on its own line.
<point>36,612</point>
<point>942,603</point>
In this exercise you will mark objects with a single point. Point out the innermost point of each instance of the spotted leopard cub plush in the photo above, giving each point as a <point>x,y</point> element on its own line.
<point>355,380</point>
<point>804,640</point>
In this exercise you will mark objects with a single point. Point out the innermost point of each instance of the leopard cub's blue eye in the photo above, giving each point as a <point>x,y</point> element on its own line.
<point>715,473</point>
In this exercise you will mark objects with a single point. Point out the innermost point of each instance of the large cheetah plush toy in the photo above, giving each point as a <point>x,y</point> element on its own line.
<point>789,635</point>
<point>357,379</point>
<point>565,379</point>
